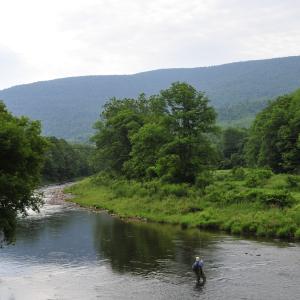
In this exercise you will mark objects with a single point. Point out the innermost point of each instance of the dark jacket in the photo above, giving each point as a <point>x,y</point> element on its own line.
<point>197,266</point>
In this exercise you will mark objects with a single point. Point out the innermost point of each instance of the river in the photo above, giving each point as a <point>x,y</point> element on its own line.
<point>66,252</point>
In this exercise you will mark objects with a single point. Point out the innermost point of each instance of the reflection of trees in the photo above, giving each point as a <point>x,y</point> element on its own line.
<point>7,226</point>
<point>60,237</point>
<point>40,226</point>
<point>30,229</point>
<point>144,247</point>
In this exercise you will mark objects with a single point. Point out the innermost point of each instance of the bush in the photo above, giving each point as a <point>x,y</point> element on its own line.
<point>264,173</point>
<point>221,175</point>
<point>292,181</point>
<point>236,196</point>
<point>207,220</point>
<point>238,173</point>
<point>217,191</point>
<point>215,196</point>
<point>280,199</point>
<point>287,231</point>
<point>252,181</point>
<point>204,179</point>
<point>236,228</point>
<point>297,234</point>
<point>258,177</point>
<point>101,178</point>
<point>178,190</point>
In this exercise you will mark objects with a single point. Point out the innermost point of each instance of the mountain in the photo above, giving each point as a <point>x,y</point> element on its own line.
<point>68,107</point>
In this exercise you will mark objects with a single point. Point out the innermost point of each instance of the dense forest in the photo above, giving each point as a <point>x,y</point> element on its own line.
<point>68,107</point>
<point>65,161</point>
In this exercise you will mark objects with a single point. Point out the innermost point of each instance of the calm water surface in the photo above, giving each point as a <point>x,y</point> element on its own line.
<point>66,252</point>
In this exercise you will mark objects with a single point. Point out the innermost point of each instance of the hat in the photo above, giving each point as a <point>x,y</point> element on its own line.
<point>197,258</point>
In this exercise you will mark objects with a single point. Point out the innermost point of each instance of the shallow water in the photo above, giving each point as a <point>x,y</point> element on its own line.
<point>66,252</point>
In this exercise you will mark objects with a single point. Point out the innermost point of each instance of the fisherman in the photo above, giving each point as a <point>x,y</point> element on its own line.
<point>198,269</point>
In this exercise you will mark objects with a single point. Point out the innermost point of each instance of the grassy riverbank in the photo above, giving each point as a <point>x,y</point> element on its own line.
<point>243,201</point>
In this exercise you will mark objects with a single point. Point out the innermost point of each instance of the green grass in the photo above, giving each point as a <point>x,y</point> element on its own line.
<point>269,209</point>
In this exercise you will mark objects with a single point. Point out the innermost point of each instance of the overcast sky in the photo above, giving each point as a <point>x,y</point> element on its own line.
<point>46,39</point>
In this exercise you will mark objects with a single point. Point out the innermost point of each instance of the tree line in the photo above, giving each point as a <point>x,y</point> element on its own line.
<point>173,136</point>
<point>64,161</point>
<point>165,136</point>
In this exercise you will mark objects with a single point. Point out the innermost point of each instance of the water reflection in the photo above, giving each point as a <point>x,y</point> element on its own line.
<point>143,248</point>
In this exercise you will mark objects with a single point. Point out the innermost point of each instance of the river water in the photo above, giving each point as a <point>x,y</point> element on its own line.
<point>66,252</point>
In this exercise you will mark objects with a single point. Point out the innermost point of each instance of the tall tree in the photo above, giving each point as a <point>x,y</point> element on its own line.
<point>275,134</point>
<point>232,147</point>
<point>166,135</point>
<point>119,120</point>
<point>21,158</point>
<point>190,121</point>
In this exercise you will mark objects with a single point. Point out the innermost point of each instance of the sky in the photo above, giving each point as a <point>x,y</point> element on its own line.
<point>49,39</point>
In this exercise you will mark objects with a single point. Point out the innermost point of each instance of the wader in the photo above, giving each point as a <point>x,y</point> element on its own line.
<point>200,274</point>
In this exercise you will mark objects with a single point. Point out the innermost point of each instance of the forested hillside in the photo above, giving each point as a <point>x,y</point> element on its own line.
<point>68,107</point>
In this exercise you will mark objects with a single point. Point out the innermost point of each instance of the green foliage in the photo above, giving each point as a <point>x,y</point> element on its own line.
<point>164,136</point>
<point>226,204</point>
<point>238,173</point>
<point>280,199</point>
<point>204,179</point>
<point>292,181</point>
<point>7,223</point>
<point>257,177</point>
<point>189,120</point>
<point>232,147</point>
<point>146,144</point>
<point>297,234</point>
<point>65,161</point>
<point>21,158</point>
<point>120,120</point>
<point>274,136</point>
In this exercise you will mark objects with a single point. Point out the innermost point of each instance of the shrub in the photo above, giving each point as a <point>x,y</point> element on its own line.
<point>101,178</point>
<point>236,228</point>
<point>203,180</point>
<point>297,234</point>
<point>215,196</point>
<point>258,177</point>
<point>252,181</point>
<point>215,192</point>
<point>287,231</point>
<point>207,220</point>
<point>238,173</point>
<point>264,173</point>
<point>153,187</point>
<point>220,176</point>
<point>236,196</point>
<point>292,181</point>
<point>280,199</point>
<point>178,190</point>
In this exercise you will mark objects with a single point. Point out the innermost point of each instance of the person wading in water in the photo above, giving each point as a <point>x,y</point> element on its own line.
<point>198,269</point>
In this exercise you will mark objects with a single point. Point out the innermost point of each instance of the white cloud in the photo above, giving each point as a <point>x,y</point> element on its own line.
<point>12,67</point>
<point>58,38</point>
